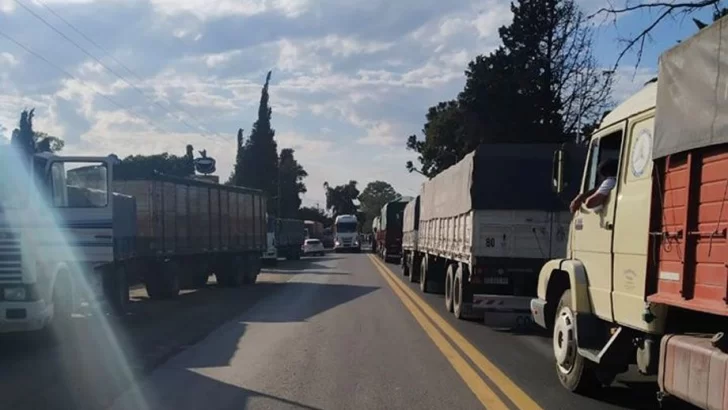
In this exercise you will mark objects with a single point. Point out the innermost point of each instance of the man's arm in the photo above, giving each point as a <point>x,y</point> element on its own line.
<point>576,203</point>
<point>601,194</point>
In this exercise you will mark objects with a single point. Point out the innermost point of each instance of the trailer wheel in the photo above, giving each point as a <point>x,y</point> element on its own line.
<point>573,370</point>
<point>414,274</point>
<point>199,280</point>
<point>461,293</point>
<point>165,283</point>
<point>449,279</point>
<point>425,284</point>
<point>116,289</point>
<point>62,305</point>
<point>405,266</point>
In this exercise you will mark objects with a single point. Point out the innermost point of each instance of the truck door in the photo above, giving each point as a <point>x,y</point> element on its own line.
<point>594,228</point>
<point>82,198</point>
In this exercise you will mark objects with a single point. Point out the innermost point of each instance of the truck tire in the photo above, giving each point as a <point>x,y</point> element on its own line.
<point>405,266</point>
<point>199,280</point>
<point>449,280</point>
<point>165,283</point>
<point>414,274</point>
<point>116,289</point>
<point>62,298</point>
<point>574,371</point>
<point>425,284</point>
<point>461,295</point>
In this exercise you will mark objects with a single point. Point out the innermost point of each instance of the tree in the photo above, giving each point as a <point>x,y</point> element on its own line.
<point>291,179</point>
<point>140,166</point>
<point>542,85</point>
<point>375,195</point>
<point>31,141</point>
<point>660,11</point>
<point>239,152</point>
<point>308,213</point>
<point>340,199</point>
<point>259,157</point>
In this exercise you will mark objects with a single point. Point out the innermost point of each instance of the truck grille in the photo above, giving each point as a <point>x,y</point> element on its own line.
<point>11,269</point>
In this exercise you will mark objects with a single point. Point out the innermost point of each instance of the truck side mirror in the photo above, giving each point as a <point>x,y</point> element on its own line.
<point>557,171</point>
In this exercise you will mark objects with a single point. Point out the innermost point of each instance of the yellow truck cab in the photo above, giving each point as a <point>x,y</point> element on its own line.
<point>644,281</point>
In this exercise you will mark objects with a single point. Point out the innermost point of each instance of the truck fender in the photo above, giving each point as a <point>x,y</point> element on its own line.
<point>559,274</point>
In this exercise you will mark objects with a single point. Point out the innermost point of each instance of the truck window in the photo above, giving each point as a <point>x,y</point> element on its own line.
<point>606,147</point>
<point>86,184</point>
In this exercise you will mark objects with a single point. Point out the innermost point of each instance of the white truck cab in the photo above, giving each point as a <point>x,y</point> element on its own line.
<point>55,228</point>
<point>346,235</point>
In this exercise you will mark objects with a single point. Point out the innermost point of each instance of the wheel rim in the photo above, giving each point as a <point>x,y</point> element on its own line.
<point>448,289</point>
<point>565,348</point>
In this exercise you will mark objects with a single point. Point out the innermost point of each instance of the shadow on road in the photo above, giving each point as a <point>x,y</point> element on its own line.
<point>94,367</point>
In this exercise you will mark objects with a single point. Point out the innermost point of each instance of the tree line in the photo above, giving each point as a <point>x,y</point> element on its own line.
<point>541,84</point>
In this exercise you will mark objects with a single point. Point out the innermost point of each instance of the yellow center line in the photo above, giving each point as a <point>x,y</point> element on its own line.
<point>477,385</point>
<point>503,382</point>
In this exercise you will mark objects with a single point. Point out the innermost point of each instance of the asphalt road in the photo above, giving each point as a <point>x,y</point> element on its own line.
<point>334,332</point>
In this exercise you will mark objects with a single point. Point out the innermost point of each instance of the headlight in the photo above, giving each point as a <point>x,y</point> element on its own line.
<point>14,293</point>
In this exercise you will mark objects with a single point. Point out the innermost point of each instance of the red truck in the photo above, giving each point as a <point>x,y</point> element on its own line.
<point>389,230</point>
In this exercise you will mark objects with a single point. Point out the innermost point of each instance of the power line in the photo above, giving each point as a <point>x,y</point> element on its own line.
<point>89,54</point>
<point>117,61</point>
<point>69,75</point>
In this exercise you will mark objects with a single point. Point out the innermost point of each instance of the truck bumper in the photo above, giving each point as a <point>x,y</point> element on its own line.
<point>501,311</point>
<point>538,312</point>
<point>24,316</point>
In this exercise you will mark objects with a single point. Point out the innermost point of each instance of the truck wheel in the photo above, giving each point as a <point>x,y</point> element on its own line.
<point>62,305</point>
<point>116,289</point>
<point>165,283</point>
<point>573,370</point>
<point>405,266</point>
<point>199,280</point>
<point>449,279</point>
<point>425,285</point>
<point>461,294</point>
<point>414,274</point>
<point>384,256</point>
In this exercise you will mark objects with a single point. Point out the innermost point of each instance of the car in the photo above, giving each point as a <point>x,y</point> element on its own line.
<point>312,247</point>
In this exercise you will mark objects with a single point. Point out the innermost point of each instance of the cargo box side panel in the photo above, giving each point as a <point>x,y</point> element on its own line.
<point>205,229</point>
<point>182,220</point>
<point>169,207</point>
<point>124,226</point>
<point>246,228</point>
<point>225,221</point>
<point>260,221</point>
<point>512,234</point>
<point>195,220</point>
<point>692,270</point>
<point>234,220</point>
<point>145,226</point>
<point>215,218</point>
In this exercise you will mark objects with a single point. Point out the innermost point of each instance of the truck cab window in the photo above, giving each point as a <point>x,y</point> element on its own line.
<point>603,148</point>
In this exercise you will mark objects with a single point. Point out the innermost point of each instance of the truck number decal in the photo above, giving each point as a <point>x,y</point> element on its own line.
<point>490,242</point>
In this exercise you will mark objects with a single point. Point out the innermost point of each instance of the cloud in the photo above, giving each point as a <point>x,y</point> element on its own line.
<point>351,80</point>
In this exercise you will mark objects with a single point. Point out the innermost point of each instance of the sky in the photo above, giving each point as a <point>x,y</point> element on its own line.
<point>352,79</point>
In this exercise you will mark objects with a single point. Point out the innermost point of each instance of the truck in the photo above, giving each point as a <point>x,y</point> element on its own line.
<point>67,238</point>
<point>389,234</point>
<point>644,281</point>
<point>314,230</point>
<point>485,230</point>
<point>284,238</point>
<point>410,229</point>
<point>375,227</point>
<point>346,234</point>
<point>328,238</point>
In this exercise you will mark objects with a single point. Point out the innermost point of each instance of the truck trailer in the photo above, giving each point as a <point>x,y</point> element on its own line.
<point>314,230</point>
<point>284,238</point>
<point>410,229</point>
<point>644,281</point>
<point>485,229</point>
<point>67,238</point>
<point>389,232</point>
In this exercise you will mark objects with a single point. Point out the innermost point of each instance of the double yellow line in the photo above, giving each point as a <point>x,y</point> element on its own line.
<point>439,331</point>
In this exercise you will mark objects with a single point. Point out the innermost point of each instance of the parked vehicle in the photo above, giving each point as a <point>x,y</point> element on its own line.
<point>485,230</point>
<point>314,230</point>
<point>644,280</point>
<point>66,238</point>
<point>410,227</point>
<point>312,247</point>
<point>375,228</point>
<point>284,239</point>
<point>346,234</point>
<point>389,234</point>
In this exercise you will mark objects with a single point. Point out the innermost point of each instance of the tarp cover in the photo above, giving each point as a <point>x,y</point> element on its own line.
<point>692,93</point>
<point>501,176</point>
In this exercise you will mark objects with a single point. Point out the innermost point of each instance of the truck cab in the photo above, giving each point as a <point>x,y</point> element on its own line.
<point>55,230</point>
<point>346,234</point>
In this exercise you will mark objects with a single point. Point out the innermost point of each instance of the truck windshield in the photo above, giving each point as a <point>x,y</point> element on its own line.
<point>346,227</point>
